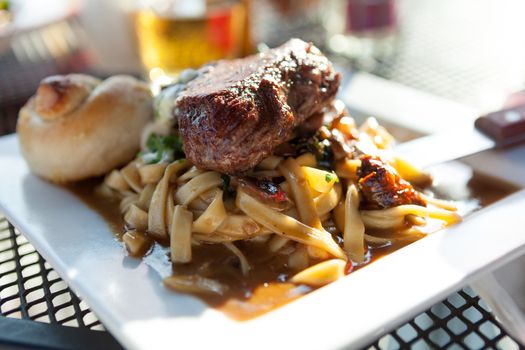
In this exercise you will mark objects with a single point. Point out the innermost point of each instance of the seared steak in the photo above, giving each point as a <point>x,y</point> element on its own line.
<point>235,113</point>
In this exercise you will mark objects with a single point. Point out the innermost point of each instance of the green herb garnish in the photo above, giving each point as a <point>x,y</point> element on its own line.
<point>4,5</point>
<point>226,187</point>
<point>162,149</point>
<point>225,182</point>
<point>329,177</point>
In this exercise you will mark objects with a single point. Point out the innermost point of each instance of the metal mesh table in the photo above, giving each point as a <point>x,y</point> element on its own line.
<point>31,290</point>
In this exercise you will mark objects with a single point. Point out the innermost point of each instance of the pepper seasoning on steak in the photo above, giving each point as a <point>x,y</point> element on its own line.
<point>382,187</point>
<point>237,112</point>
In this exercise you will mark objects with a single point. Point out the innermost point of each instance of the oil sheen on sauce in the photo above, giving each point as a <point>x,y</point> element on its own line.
<point>265,288</point>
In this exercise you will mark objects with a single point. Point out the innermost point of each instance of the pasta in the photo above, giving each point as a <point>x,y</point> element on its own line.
<point>180,235</point>
<point>354,229</point>
<point>322,273</point>
<point>322,220</point>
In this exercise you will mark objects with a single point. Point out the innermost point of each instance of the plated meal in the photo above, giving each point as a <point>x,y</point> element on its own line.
<point>250,171</point>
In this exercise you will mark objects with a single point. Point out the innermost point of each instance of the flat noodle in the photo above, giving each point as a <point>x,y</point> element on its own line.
<point>285,186</point>
<point>277,242</point>
<point>199,184</point>
<point>137,243</point>
<point>195,284</point>
<point>212,217</point>
<point>180,235</point>
<point>339,216</point>
<point>157,225</point>
<point>321,274</point>
<point>326,202</point>
<point>395,217</point>
<point>378,221</point>
<point>136,218</point>
<point>209,195</point>
<point>215,238</point>
<point>378,241</point>
<point>240,226</point>
<point>198,204</point>
<point>116,181</point>
<point>190,174</point>
<point>145,197</point>
<point>354,229</point>
<point>410,233</point>
<point>132,177</point>
<point>245,265</point>
<point>170,209</point>
<point>293,213</point>
<point>440,203</point>
<point>151,173</point>
<point>302,195</point>
<point>415,220</point>
<point>299,260</point>
<point>126,201</point>
<point>260,239</point>
<point>104,190</point>
<point>317,253</point>
<point>287,226</point>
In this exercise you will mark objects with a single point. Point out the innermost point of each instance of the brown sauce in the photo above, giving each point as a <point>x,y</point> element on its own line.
<point>107,207</point>
<point>265,289</point>
<point>248,296</point>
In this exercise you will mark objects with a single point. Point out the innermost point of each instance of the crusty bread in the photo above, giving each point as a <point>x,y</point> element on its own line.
<point>76,126</point>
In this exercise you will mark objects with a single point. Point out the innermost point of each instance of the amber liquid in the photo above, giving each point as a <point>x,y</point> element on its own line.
<point>171,43</point>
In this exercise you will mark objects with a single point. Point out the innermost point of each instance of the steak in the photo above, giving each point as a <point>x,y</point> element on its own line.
<point>235,113</point>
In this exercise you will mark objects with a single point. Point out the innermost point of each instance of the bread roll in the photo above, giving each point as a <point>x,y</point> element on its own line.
<point>77,126</point>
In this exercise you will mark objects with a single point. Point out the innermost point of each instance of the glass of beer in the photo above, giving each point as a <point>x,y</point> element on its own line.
<point>177,34</point>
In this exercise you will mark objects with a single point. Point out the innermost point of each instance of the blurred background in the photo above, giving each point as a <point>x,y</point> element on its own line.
<point>468,51</point>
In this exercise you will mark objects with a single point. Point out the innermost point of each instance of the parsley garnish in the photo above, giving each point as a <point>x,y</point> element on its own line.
<point>329,177</point>
<point>162,149</point>
<point>225,182</point>
<point>228,190</point>
<point>4,4</point>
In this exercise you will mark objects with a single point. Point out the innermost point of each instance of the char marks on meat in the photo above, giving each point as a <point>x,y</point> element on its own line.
<point>237,112</point>
<point>382,187</point>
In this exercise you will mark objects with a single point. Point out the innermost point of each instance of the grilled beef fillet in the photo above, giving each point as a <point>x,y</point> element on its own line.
<point>236,112</point>
<point>382,187</point>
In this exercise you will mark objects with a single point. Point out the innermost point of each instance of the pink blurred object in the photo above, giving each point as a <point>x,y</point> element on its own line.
<point>365,15</point>
<point>363,31</point>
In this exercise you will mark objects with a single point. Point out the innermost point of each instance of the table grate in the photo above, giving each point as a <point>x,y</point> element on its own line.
<point>31,289</point>
<point>462,321</point>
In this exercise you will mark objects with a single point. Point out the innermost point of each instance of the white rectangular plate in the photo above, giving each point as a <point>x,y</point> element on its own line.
<point>129,299</point>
